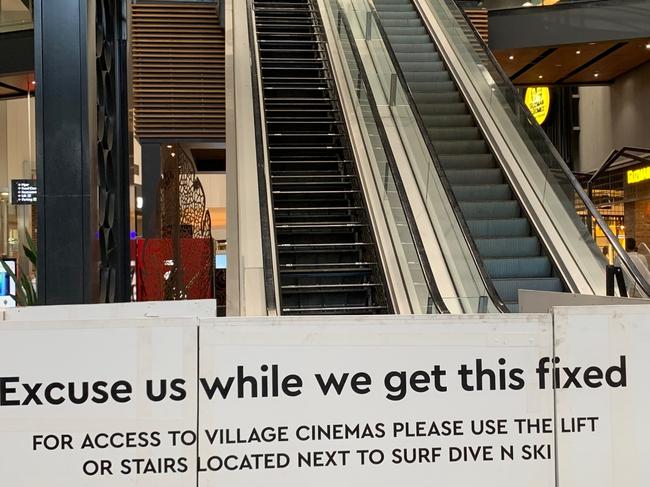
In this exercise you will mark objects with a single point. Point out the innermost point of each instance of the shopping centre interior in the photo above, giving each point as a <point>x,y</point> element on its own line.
<point>324,156</point>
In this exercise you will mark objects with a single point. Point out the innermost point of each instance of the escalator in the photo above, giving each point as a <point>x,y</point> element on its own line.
<point>326,253</point>
<point>510,250</point>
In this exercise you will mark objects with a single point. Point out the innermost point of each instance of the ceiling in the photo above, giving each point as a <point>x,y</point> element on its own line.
<point>16,85</point>
<point>571,64</point>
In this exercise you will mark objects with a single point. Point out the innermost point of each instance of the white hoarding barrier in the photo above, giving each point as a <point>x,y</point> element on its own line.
<point>615,451</point>
<point>460,401</point>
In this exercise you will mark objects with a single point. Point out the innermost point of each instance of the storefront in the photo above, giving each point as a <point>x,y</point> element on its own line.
<point>621,191</point>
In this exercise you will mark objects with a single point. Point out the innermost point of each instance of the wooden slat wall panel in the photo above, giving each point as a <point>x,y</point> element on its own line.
<point>479,17</point>
<point>178,53</point>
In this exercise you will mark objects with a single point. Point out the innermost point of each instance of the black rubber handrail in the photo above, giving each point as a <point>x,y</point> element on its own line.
<point>521,108</point>
<point>434,292</point>
<point>271,273</point>
<point>469,240</point>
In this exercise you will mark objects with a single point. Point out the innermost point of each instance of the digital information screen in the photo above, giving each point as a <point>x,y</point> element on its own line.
<point>23,191</point>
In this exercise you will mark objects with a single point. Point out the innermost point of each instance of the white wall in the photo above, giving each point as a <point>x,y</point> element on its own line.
<point>614,116</point>
<point>596,138</point>
<point>17,140</point>
<point>214,186</point>
<point>631,108</point>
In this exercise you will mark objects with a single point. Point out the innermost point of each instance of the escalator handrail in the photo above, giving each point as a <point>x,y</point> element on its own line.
<point>577,187</point>
<point>270,272</point>
<point>434,292</point>
<point>469,240</point>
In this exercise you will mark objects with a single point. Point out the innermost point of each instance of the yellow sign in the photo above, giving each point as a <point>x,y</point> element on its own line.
<point>538,101</point>
<point>638,175</point>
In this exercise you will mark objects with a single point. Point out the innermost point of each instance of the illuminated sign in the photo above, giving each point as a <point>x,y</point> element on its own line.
<point>538,101</point>
<point>638,175</point>
<point>23,191</point>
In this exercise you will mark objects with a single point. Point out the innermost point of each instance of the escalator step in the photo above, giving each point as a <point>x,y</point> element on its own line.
<point>507,227</point>
<point>402,23</point>
<point>435,119</point>
<point>416,67</point>
<point>508,247</point>
<point>426,76</point>
<point>461,147</point>
<point>482,192</point>
<point>490,209</point>
<point>435,98</point>
<point>508,288</point>
<point>411,39</point>
<point>518,268</point>
<point>467,161</point>
<point>474,176</point>
<point>408,48</point>
<point>334,310</point>
<point>443,109</point>
<point>455,133</point>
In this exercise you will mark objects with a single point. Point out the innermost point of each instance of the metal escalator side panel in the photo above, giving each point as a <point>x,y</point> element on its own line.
<point>269,254</point>
<point>412,281</point>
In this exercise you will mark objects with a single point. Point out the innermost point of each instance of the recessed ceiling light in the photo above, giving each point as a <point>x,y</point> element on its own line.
<point>578,52</point>
<point>647,46</point>
<point>173,154</point>
<point>512,57</point>
<point>540,76</point>
<point>169,146</point>
<point>595,75</point>
<point>33,82</point>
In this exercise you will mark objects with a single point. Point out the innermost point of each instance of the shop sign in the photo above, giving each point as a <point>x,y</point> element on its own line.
<point>638,175</point>
<point>538,101</point>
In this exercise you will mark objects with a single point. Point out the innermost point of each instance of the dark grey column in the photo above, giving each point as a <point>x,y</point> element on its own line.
<point>151,171</point>
<point>82,151</point>
<point>64,34</point>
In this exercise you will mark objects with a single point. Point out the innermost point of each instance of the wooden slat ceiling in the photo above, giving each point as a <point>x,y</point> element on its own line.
<point>554,67</point>
<point>515,60</point>
<point>573,63</point>
<point>178,55</point>
<point>630,55</point>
